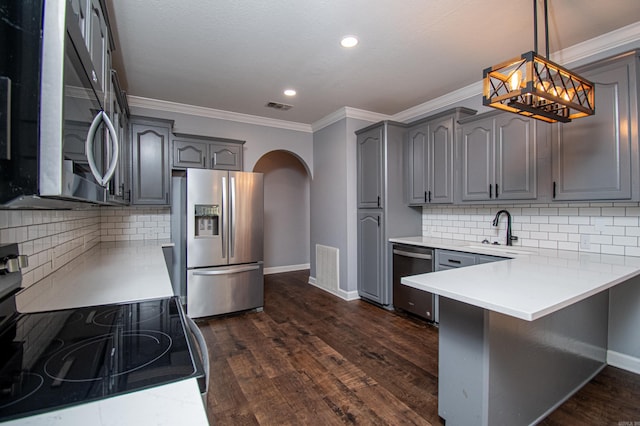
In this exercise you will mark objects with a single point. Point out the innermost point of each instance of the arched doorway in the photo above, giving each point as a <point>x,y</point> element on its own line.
<point>286,211</point>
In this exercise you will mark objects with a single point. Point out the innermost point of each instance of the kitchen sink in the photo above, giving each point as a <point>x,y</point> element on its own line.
<point>499,249</point>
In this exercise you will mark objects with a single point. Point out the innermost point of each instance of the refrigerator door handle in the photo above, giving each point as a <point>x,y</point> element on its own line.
<point>227,271</point>
<point>224,219</point>
<point>232,221</point>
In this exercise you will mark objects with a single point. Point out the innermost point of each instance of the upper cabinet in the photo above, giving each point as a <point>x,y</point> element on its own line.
<point>430,153</point>
<point>151,174</point>
<point>498,157</point>
<point>591,156</point>
<point>370,154</point>
<point>207,153</point>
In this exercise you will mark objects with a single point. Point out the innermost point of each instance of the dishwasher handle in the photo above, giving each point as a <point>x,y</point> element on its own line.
<point>413,255</point>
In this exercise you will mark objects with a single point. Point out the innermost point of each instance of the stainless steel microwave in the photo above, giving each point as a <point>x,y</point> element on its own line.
<point>57,142</point>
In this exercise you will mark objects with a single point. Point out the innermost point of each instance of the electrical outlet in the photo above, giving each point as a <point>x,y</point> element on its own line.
<point>585,242</point>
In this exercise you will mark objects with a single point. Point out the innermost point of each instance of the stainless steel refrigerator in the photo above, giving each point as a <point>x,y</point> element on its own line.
<point>217,227</point>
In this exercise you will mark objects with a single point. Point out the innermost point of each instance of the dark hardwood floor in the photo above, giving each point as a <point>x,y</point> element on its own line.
<point>313,359</point>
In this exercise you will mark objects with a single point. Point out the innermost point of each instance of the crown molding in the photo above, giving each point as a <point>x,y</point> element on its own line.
<point>599,45</point>
<point>348,112</point>
<point>442,102</point>
<point>605,43</point>
<point>157,104</point>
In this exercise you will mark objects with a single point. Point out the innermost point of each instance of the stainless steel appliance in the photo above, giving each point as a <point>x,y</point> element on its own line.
<point>55,359</point>
<point>413,260</point>
<point>217,226</point>
<point>58,142</point>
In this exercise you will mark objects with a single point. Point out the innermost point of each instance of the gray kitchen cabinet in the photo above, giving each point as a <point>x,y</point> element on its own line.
<point>98,42</point>
<point>430,148</point>
<point>370,163</point>
<point>371,282</point>
<point>449,259</point>
<point>207,152</point>
<point>93,23</point>
<point>382,210</point>
<point>497,158</point>
<point>151,173</point>
<point>120,184</point>
<point>592,156</point>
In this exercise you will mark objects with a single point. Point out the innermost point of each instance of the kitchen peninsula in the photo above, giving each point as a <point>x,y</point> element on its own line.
<point>518,337</point>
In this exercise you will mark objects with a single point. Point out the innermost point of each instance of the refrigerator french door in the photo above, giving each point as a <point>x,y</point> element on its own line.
<point>224,241</point>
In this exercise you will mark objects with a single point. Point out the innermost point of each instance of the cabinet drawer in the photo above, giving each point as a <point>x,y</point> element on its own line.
<point>455,259</point>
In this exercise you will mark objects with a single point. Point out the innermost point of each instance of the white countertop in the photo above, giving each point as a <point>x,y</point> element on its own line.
<point>527,286</point>
<point>177,403</point>
<point>115,273</point>
<point>107,273</point>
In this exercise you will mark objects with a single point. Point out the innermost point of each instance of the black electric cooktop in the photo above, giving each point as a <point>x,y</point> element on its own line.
<point>55,359</point>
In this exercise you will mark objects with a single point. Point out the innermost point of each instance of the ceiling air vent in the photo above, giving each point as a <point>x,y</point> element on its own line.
<point>278,105</point>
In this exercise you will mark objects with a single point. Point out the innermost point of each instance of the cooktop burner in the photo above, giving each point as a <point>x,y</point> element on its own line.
<point>55,359</point>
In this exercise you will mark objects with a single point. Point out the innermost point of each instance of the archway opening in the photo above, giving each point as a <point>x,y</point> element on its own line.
<point>287,213</point>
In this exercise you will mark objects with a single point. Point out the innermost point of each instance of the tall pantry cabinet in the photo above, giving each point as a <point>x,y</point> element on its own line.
<point>382,210</point>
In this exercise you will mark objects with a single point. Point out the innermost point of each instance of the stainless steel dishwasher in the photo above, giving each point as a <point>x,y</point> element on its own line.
<point>413,260</point>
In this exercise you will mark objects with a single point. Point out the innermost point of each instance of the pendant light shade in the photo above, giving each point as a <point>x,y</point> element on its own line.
<point>535,87</point>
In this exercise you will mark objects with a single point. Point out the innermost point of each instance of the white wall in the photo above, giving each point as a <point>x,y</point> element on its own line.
<point>286,211</point>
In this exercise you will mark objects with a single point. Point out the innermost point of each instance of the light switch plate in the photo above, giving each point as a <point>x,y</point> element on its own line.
<point>585,242</point>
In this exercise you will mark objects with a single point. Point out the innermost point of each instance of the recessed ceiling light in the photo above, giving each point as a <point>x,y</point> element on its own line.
<point>349,41</point>
<point>290,92</point>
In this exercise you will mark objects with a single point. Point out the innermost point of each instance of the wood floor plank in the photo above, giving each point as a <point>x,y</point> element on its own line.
<point>312,358</point>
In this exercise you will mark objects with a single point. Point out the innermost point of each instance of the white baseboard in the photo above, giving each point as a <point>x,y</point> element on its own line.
<point>342,294</point>
<point>623,361</point>
<point>286,268</point>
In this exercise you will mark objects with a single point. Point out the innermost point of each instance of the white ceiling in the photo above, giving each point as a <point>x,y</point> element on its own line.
<point>237,55</point>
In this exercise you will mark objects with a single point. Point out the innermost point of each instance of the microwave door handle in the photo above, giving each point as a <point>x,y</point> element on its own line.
<point>113,162</point>
<point>102,180</point>
<point>88,147</point>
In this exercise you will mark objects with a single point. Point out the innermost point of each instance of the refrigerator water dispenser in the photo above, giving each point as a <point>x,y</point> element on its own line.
<point>207,219</point>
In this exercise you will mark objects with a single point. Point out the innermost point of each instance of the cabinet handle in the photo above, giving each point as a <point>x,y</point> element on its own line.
<point>378,201</point>
<point>378,220</point>
<point>554,189</point>
<point>490,191</point>
<point>496,190</point>
<point>454,261</point>
<point>429,196</point>
<point>425,196</point>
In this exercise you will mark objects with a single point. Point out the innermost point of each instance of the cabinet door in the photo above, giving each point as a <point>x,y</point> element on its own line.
<point>189,154</point>
<point>98,42</point>
<point>477,160</point>
<point>591,156</point>
<point>440,169</point>
<point>150,153</point>
<point>515,158</point>
<point>370,158</point>
<point>370,256</point>
<point>225,156</point>
<point>418,156</point>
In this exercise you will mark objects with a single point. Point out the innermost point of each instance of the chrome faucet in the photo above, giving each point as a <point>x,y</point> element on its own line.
<point>510,237</point>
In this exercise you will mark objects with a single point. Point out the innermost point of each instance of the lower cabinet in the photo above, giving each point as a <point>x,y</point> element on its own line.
<point>151,174</point>
<point>371,273</point>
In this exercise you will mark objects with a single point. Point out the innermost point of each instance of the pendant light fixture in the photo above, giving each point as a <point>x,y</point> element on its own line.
<point>533,86</point>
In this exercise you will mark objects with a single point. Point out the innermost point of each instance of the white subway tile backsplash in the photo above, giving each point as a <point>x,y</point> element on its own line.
<point>613,228</point>
<point>53,238</point>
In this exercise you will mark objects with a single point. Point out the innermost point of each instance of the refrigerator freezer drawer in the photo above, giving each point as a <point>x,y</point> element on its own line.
<point>225,289</point>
